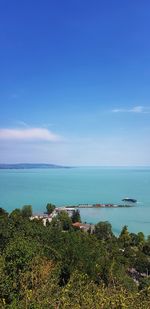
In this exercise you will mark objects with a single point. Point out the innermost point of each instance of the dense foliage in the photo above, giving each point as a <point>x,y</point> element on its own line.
<point>50,208</point>
<point>57,266</point>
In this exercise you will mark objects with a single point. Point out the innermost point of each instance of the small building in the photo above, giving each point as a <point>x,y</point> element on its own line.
<point>86,227</point>
<point>44,218</point>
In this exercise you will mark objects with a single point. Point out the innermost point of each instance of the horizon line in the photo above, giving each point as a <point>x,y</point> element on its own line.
<point>79,165</point>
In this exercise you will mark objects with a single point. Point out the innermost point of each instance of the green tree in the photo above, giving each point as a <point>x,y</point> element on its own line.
<point>26,211</point>
<point>141,237</point>
<point>142,263</point>
<point>144,283</point>
<point>3,212</point>
<point>76,216</point>
<point>39,285</point>
<point>16,214</point>
<point>50,208</point>
<point>146,249</point>
<point>134,239</point>
<point>103,230</point>
<point>124,237</point>
<point>65,220</point>
<point>4,229</point>
<point>18,254</point>
<point>141,240</point>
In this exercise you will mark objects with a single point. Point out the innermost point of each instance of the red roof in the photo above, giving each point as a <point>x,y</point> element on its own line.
<point>77,224</point>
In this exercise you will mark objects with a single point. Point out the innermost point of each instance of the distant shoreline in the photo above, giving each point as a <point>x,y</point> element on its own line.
<point>31,166</point>
<point>56,166</point>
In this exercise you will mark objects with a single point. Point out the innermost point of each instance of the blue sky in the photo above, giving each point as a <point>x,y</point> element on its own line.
<point>75,82</point>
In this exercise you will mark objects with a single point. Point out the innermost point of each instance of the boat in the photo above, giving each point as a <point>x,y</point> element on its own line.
<point>127,199</point>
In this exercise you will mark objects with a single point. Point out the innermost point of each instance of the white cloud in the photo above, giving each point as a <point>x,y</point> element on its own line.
<point>136,109</point>
<point>41,134</point>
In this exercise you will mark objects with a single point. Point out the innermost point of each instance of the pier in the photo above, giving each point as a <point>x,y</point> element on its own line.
<point>99,206</point>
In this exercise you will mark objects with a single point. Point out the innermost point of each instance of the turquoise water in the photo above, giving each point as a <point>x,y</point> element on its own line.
<point>82,185</point>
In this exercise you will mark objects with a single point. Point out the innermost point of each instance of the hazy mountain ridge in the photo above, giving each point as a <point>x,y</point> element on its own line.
<point>30,166</point>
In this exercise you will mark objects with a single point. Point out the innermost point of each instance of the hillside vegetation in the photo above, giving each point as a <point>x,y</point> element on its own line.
<point>59,266</point>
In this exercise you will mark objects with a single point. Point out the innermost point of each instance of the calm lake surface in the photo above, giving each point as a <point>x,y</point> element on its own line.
<point>82,185</point>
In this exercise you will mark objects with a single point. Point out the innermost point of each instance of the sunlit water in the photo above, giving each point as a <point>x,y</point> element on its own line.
<point>82,185</point>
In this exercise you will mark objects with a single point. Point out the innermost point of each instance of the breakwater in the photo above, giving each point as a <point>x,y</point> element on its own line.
<point>100,206</point>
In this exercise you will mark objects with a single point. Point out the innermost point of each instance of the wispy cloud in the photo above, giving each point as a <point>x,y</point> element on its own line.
<point>41,134</point>
<point>136,109</point>
<point>22,123</point>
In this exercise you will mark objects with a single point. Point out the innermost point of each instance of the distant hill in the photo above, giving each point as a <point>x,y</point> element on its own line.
<point>30,166</point>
